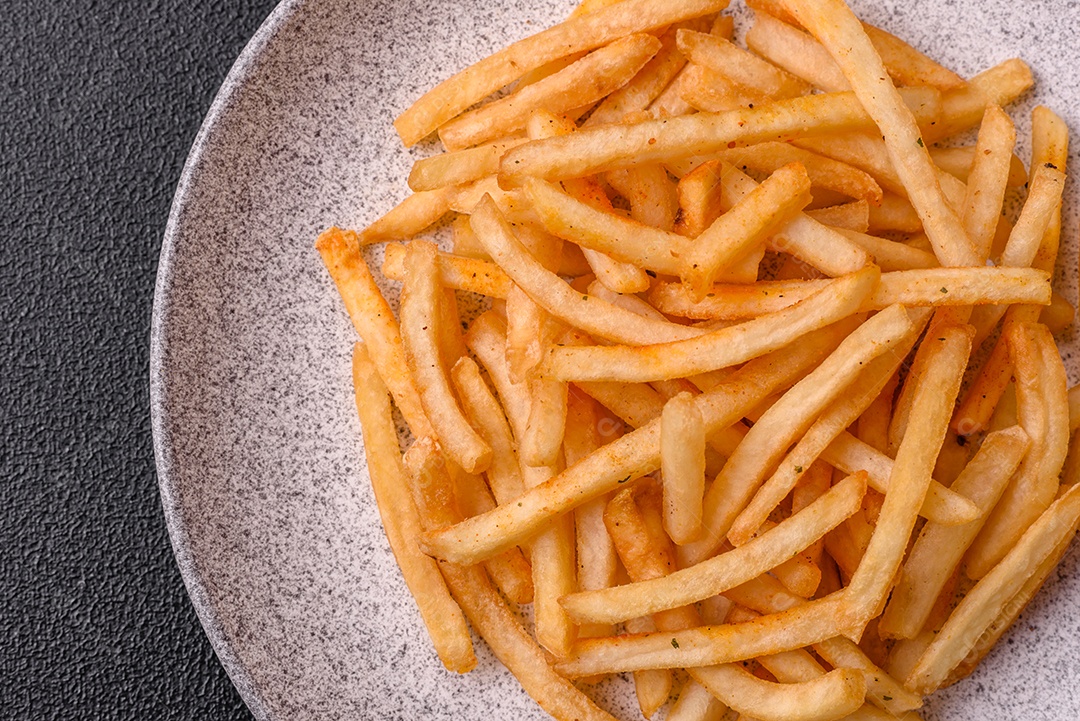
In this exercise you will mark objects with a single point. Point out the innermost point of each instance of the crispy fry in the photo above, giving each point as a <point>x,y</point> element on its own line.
<point>486,416</point>
<point>695,703</point>
<point>963,108</point>
<point>796,52</point>
<point>582,33</point>
<point>939,548</point>
<point>597,561</point>
<point>988,178</point>
<point>621,238</point>
<point>1043,410</point>
<point>958,161</point>
<point>740,66</point>
<point>455,271</point>
<point>853,216</point>
<point>374,322</point>
<point>911,476</point>
<point>464,166</point>
<point>659,141</point>
<point>409,217</point>
<point>419,331</point>
<point>652,196</point>
<point>442,616</point>
<point>582,83</point>
<point>682,461</point>
<point>706,645</point>
<point>962,286</point>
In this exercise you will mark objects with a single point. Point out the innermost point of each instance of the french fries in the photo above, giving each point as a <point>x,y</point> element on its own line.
<point>727,298</point>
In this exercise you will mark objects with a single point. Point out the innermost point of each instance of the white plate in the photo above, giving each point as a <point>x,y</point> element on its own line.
<point>259,456</point>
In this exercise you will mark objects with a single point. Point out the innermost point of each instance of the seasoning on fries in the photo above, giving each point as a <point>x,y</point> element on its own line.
<point>711,421</point>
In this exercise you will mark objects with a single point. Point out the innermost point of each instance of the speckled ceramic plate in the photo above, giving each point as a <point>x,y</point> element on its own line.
<point>259,456</point>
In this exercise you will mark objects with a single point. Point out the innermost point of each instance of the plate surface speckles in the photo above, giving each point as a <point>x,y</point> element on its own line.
<point>259,456</point>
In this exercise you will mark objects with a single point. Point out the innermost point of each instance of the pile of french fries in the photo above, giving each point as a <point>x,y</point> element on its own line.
<point>765,406</point>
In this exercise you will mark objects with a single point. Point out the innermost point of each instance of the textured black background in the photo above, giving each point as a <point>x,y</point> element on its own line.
<point>99,103</point>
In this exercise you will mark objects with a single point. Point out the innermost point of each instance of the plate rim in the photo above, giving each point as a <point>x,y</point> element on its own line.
<point>243,68</point>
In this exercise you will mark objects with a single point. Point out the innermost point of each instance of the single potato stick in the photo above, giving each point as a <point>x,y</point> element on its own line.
<point>577,34</point>
<point>959,161</point>
<point>653,198</point>
<point>441,615</point>
<point>711,91</point>
<point>724,571</point>
<point>825,173</point>
<point>582,83</point>
<point>992,594</point>
<point>486,416</point>
<point>612,147</point>
<point>836,694</point>
<point>833,23</point>
<point>550,292</point>
<point>933,401</point>
<point>853,216</point>
<point>696,703</point>
<point>718,349</point>
<point>939,549</point>
<point>409,217</point>
<point>483,605</point>
<point>597,562</point>
<point>1059,315</point>
<point>621,238</point>
<point>1042,204</point>
<point>1050,147</point>
<point>455,271</point>
<point>419,318</point>
<point>907,66</point>
<point>374,322</point>
<point>913,288</point>
<point>988,178</point>
<point>707,645</point>
<point>963,108</point>
<point>740,66</point>
<point>682,462</point>
<point>459,167</point>
<point>796,52</point>
<point>633,455</point>
<point>652,686</point>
